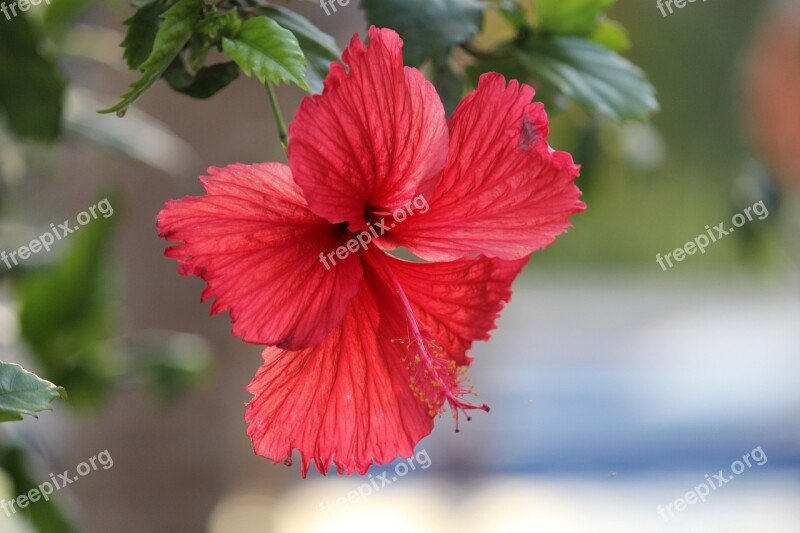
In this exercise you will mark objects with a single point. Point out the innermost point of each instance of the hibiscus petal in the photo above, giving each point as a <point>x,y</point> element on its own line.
<point>254,241</point>
<point>375,137</point>
<point>347,400</point>
<point>504,192</point>
<point>368,393</point>
<point>457,302</point>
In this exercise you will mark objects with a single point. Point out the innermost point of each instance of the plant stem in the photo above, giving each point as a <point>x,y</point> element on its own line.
<point>283,133</point>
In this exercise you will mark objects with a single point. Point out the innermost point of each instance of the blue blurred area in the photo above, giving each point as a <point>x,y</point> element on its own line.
<point>588,377</point>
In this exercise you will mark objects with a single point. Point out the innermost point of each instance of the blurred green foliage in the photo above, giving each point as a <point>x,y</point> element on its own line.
<point>31,87</point>
<point>67,314</point>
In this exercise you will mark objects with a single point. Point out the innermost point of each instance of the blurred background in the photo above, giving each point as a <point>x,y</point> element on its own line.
<point>615,386</point>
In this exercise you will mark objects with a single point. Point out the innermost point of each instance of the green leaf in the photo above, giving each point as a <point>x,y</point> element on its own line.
<point>263,48</point>
<point>319,48</point>
<point>571,17</point>
<point>66,313</point>
<point>206,83</point>
<point>179,23</point>
<point>24,393</point>
<point>582,18</point>
<point>612,35</point>
<point>430,28</point>
<point>208,36</point>
<point>31,87</point>
<point>214,23</point>
<point>141,34</point>
<point>595,78</point>
<point>200,46</point>
<point>177,75</point>
<point>311,38</point>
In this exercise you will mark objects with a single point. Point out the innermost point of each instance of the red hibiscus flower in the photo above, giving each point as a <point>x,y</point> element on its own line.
<point>366,349</point>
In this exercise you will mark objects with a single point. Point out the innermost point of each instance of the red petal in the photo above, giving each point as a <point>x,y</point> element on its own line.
<point>504,192</point>
<point>347,400</point>
<point>254,241</point>
<point>375,137</point>
<point>370,391</point>
<point>457,302</point>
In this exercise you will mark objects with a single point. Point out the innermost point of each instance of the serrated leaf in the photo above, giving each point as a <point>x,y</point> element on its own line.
<point>178,25</point>
<point>570,17</point>
<point>319,48</point>
<point>596,78</point>
<point>310,37</point>
<point>268,51</point>
<point>31,87</point>
<point>429,28</point>
<point>24,393</point>
<point>141,34</point>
